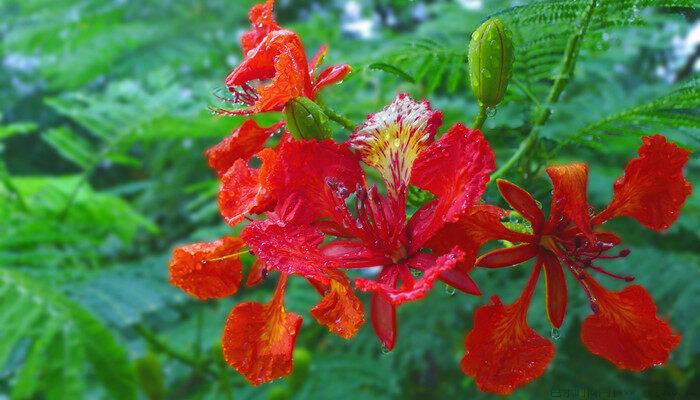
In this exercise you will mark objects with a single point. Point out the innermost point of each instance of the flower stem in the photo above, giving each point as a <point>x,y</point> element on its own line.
<point>342,120</point>
<point>480,117</point>
<point>568,65</point>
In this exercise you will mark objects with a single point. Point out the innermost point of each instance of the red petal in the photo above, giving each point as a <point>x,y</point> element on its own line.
<point>383,313</point>
<point>207,270</point>
<point>456,278</point>
<point>522,202</point>
<point>258,339</point>
<point>289,249</point>
<point>508,256</point>
<point>503,352</point>
<point>302,171</point>
<point>570,183</point>
<point>340,310</point>
<point>255,275</point>
<point>653,188</point>
<point>626,330</point>
<point>391,140</point>
<point>243,143</point>
<point>262,22</point>
<point>480,224</point>
<point>331,75</point>
<point>317,59</point>
<point>280,59</point>
<point>555,288</point>
<point>455,169</point>
<point>353,254</point>
<point>245,190</point>
<point>412,289</point>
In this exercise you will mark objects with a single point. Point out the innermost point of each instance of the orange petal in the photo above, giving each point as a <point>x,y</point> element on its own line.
<point>340,310</point>
<point>258,339</point>
<point>290,81</point>
<point>255,275</point>
<point>556,291</point>
<point>508,256</point>
<point>207,270</point>
<point>503,352</point>
<point>262,22</point>
<point>245,190</point>
<point>570,197</point>
<point>243,143</point>
<point>522,202</point>
<point>653,188</point>
<point>626,330</point>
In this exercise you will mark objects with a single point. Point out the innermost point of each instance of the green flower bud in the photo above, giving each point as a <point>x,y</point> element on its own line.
<point>490,61</point>
<point>306,120</point>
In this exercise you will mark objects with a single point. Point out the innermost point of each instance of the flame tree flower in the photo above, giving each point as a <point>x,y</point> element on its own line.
<point>502,351</point>
<point>275,68</point>
<point>399,143</point>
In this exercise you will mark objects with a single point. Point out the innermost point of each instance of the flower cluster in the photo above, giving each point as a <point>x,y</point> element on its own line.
<point>310,211</point>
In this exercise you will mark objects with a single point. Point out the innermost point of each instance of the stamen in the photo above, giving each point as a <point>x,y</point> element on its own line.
<point>627,278</point>
<point>226,257</point>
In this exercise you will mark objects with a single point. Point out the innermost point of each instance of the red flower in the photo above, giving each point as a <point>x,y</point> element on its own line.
<point>624,327</point>
<point>399,143</point>
<point>275,68</point>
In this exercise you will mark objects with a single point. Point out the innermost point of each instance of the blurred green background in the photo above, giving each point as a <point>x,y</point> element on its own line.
<point>103,121</point>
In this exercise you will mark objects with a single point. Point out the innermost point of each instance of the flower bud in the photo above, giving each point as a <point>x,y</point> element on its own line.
<point>306,120</point>
<point>490,61</point>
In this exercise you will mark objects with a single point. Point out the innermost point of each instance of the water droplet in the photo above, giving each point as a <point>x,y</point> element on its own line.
<point>491,112</point>
<point>416,273</point>
<point>385,350</point>
<point>555,334</point>
<point>449,290</point>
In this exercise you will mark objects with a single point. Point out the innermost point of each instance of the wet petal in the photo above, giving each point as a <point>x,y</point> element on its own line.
<point>522,202</point>
<point>626,329</point>
<point>653,189</point>
<point>454,277</point>
<point>243,143</point>
<point>555,289</point>
<point>480,224</point>
<point>207,270</point>
<point>256,274</point>
<point>392,139</point>
<point>383,313</point>
<point>258,339</point>
<point>340,310</point>
<point>508,256</point>
<point>303,171</point>
<point>570,196</point>
<point>245,190</point>
<point>289,249</point>
<point>412,289</point>
<point>503,352</point>
<point>262,22</point>
<point>331,75</point>
<point>455,169</point>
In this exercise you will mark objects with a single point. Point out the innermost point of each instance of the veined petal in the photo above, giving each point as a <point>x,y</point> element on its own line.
<point>411,289</point>
<point>653,188</point>
<point>454,277</point>
<point>353,254</point>
<point>508,256</point>
<point>383,313</point>
<point>570,196</point>
<point>245,190</point>
<point>626,330</point>
<point>522,202</point>
<point>480,224</point>
<point>340,310</point>
<point>555,289</point>
<point>262,22</point>
<point>331,75</point>
<point>503,352</point>
<point>207,270</point>
<point>243,143</point>
<point>392,139</point>
<point>258,339</point>
<point>303,171</point>
<point>455,169</point>
<point>289,249</point>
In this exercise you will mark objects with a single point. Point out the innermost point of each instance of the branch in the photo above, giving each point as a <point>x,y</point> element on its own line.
<point>333,115</point>
<point>566,71</point>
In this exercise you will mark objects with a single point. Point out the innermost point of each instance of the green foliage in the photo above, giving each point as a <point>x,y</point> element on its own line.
<point>58,344</point>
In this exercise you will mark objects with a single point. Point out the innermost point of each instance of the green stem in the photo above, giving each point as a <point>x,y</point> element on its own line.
<point>480,117</point>
<point>159,345</point>
<point>333,115</point>
<point>568,66</point>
